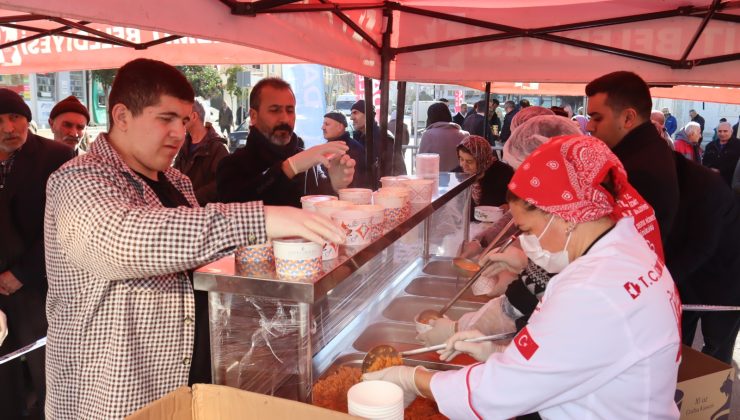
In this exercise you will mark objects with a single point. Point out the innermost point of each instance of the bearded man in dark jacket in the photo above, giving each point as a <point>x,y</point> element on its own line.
<point>275,166</point>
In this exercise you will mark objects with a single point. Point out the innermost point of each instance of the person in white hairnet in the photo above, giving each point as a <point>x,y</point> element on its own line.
<point>521,281</point>
<point>603,342</point>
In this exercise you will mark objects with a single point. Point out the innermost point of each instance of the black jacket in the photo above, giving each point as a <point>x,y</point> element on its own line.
<point>22,203</point>
<point>475,124</point>
<point>356,152</point>
<point>200,165</point>
<point>506,129</point>
<point>458,119</point>
<point>254,172</point>
<point>651,169</point>
<point>703,248</point>
<point>383,145</point>
<point>722,158</point>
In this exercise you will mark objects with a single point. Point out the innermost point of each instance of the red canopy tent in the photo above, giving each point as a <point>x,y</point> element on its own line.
<point>667,42</point>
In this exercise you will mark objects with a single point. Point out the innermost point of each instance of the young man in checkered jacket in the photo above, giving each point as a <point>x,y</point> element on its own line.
<point>123,318</point>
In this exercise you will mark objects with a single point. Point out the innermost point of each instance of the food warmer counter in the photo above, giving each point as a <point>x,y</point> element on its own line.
<point>277,337</point>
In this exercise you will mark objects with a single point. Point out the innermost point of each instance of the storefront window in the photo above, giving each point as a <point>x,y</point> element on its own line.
<point>46,86</point>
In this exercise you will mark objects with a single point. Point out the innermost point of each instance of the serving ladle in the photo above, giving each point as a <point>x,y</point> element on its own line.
<point>429,314</point>
<point>388,351</point>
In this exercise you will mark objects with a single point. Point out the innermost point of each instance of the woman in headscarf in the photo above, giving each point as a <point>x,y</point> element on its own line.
<point>476,157</point>
<point>604,341</point>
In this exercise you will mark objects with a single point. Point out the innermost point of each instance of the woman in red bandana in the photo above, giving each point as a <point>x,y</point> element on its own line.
<point>604,341</point>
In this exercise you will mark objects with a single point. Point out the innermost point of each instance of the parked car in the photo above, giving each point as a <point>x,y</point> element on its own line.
<point>238,137</point>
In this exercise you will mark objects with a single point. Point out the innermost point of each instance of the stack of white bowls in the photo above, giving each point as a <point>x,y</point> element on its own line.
<point>376,400</point>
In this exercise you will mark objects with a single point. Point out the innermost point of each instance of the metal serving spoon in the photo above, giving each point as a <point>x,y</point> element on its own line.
<point>388,351</point>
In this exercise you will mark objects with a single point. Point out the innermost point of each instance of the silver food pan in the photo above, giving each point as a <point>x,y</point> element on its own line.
<point>355,360</point>
<point>442,268</point>
<point>402,337</point>
<point>441,287</point>
<point>405,308</point>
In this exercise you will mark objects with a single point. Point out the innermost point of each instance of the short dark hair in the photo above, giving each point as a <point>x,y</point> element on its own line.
<point>623,89</point>
<point>438,112</point>
<point>142,82</point>
<point>274,82</point>
<point>495,102</point>
<point>524,103</point>
<point>480,106</point>
<point>509,103</point>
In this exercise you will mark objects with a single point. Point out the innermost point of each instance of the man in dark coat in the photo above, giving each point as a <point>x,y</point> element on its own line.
<point>619,104</point>
<point>393,163</point>
<point>695,117</point>
<point>335,129</point>
<point>459,118</point>
<point>26,161</point>
<point>721,155</point>
<point>225,118</point>
<point>510,109</point>
<point>477,123</point>
<point>703,250</point>
<point>200,155</point>
<point>275,166</point>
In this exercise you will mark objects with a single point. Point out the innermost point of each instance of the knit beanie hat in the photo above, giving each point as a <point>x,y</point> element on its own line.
<point>360,106</point>
<point>338,117</point>
<point>12,103</point>
<point>69,104</point>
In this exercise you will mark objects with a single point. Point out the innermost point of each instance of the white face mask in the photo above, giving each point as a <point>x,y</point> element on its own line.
<point>552,262</point>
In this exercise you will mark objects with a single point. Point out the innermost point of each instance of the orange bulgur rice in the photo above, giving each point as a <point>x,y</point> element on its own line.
<point>383,362</point>
<point>331,392</point>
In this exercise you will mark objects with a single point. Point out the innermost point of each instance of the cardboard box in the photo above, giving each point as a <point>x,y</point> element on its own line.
<point>704,386</point>
<point>219,402</point>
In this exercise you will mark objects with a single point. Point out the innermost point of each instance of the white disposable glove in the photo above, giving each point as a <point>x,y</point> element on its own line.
<point>403,376</point>
<point>317,155</point>
<point>479,351</point>
<point>341,171</point>
<point>442,329</point>
<point>513,260</point>
<point>493,286</point>
<point>471,249</point>
<point>489,319</point>
<point>3,327</point>
<point>282,221</point>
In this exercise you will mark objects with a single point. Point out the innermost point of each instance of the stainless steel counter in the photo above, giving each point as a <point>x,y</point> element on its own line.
<point>270,335</point>
<point>221,277</point>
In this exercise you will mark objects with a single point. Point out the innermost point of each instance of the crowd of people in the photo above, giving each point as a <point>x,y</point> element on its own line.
<point>99,245</point>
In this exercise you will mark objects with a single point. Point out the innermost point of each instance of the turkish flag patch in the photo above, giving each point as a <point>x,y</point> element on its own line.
<point>525,343</point>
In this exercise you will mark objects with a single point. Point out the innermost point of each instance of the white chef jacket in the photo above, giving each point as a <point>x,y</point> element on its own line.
<point>603,343</point>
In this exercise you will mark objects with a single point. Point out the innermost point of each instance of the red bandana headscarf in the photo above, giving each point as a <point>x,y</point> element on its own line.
<point>564,175</point>
<point>481,150</point>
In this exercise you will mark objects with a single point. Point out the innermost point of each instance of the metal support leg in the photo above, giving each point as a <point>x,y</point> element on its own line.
<point>425,238</point>
<point>305,359</point>
<point>466,214</point>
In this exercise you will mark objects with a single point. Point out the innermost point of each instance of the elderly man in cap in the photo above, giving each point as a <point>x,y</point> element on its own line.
<point>383,145</point>
<point>335,129</point>
<point>26,161</point>
<point>68,121</point>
